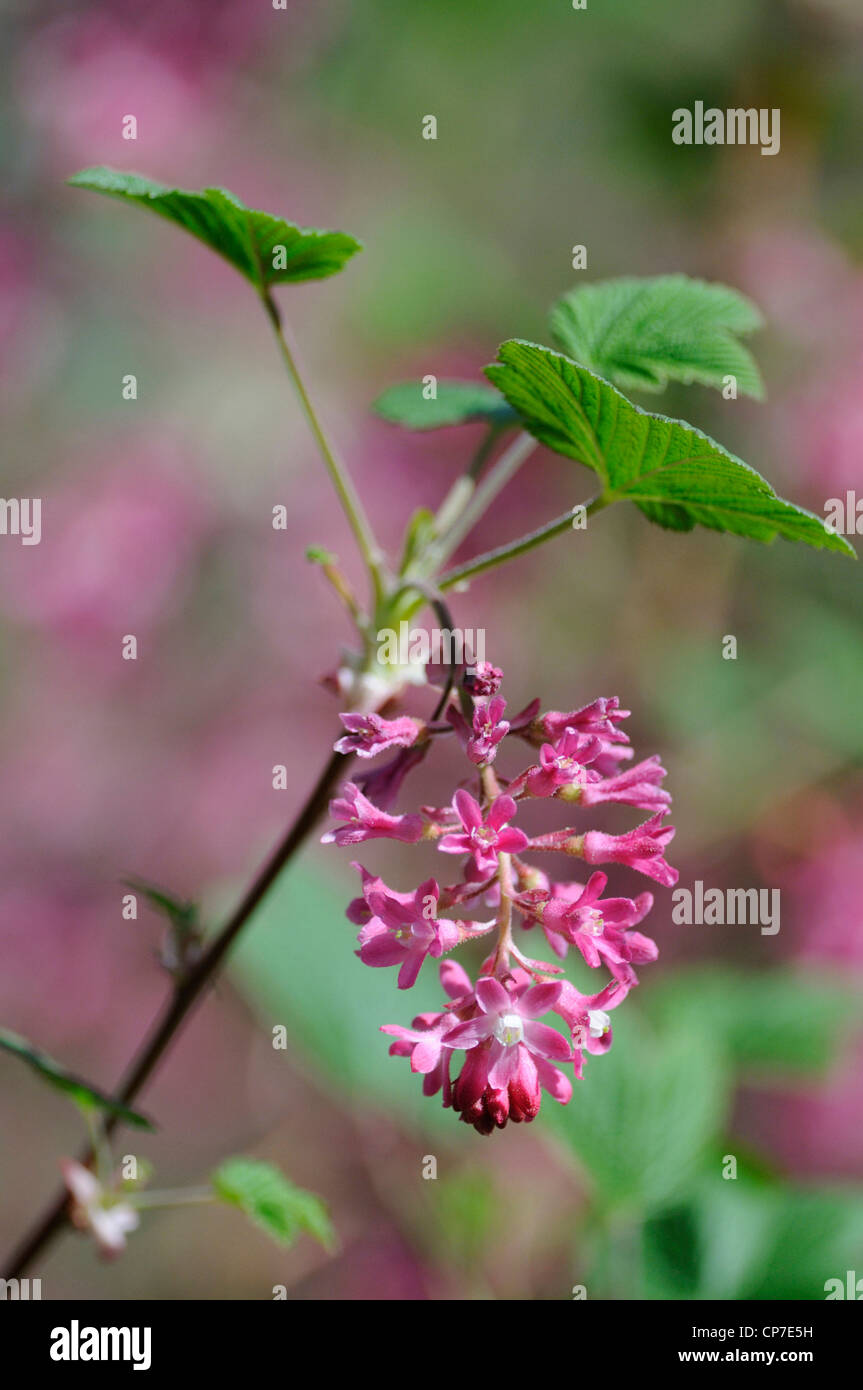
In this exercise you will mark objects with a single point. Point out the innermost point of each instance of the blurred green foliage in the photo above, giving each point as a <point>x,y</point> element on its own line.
<point>649,1126</point>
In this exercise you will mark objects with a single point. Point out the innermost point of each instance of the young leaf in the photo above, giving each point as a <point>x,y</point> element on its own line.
<point>85,1095</point>
<point>676,475</point>
<point>456,403</point>
<point>180,913</point>
<point>642,333</point>
<point>272,1202</point>
<point>267,250</point>
<point>184,937</point>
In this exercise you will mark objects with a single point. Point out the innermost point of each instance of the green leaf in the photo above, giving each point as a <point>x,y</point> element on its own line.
<point>816,1236</point>
<point>254,242</point>
<point>456,403</point>
<point>272,1202</point>
<point>678,476</point>
<point>671,1253</point>
<point>646,1113</point>
<point>84,1095</point>
<point>741,1239</point>
<point>776,1021</point>
<point>319,555</point>
<point>641,333</point>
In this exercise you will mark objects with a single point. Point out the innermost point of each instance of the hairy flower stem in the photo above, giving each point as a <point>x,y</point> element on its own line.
<point>491,788</point>
<point>511,549</point>
<point>185,996</point>
<point>341,479</point>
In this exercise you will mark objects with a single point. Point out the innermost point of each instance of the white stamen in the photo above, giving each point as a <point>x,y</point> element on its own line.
<point>509,1029</point>
<point>599,1022</point>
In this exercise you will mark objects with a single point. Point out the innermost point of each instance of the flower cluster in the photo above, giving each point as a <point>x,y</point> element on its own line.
<point>509,1054</point>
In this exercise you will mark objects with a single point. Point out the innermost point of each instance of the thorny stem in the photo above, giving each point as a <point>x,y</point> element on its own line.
<point>511,549</point>
<point>186,994</point>
<point>341,479</point>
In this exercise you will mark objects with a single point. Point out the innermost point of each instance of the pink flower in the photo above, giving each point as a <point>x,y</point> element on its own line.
<point>423,1043</point>
<point>368,822</point>
<point>600,717</point>
<point>638,786</point>
<point>509,1055</point>
<point>486,679</point>
<point>402,928</point>
<point>640,848</point>
<point>369,734</point>
<point>484,839</point>
<point>599,927</point>
<point>97,1210</point>
<point>562,765</point>
<point>488,729</point>
<point>587,1017</point>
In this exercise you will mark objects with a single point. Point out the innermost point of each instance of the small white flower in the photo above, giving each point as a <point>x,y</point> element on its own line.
<point>97,1210</point>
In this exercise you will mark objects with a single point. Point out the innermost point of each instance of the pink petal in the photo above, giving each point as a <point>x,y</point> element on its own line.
<point>544,1041</point>
<point>502,809</point>
<point>382,950</point>
<point>539,999</point>
<point>455,979</point>
<point>511,841</point>
<point>492,997</point>
<point>454,844</point>
<point>467,809</point>
<point>558,1085</point>
<point>426,1054</point>
<point>504,1067</point>
<point>411,968</point>
<point>467,1035</point>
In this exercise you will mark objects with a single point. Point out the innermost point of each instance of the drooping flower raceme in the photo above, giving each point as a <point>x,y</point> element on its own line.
<point>502,1039</point>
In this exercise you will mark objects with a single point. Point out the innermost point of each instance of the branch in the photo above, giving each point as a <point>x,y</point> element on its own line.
<point>184,998</point>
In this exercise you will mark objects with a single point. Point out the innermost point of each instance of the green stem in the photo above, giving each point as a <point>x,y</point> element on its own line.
<point>341,479</point>
<point>180,1197</point>
<point>99,1145</point>
<point>505,468</point>
<point>464,486</point>
<point>511,549</point>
